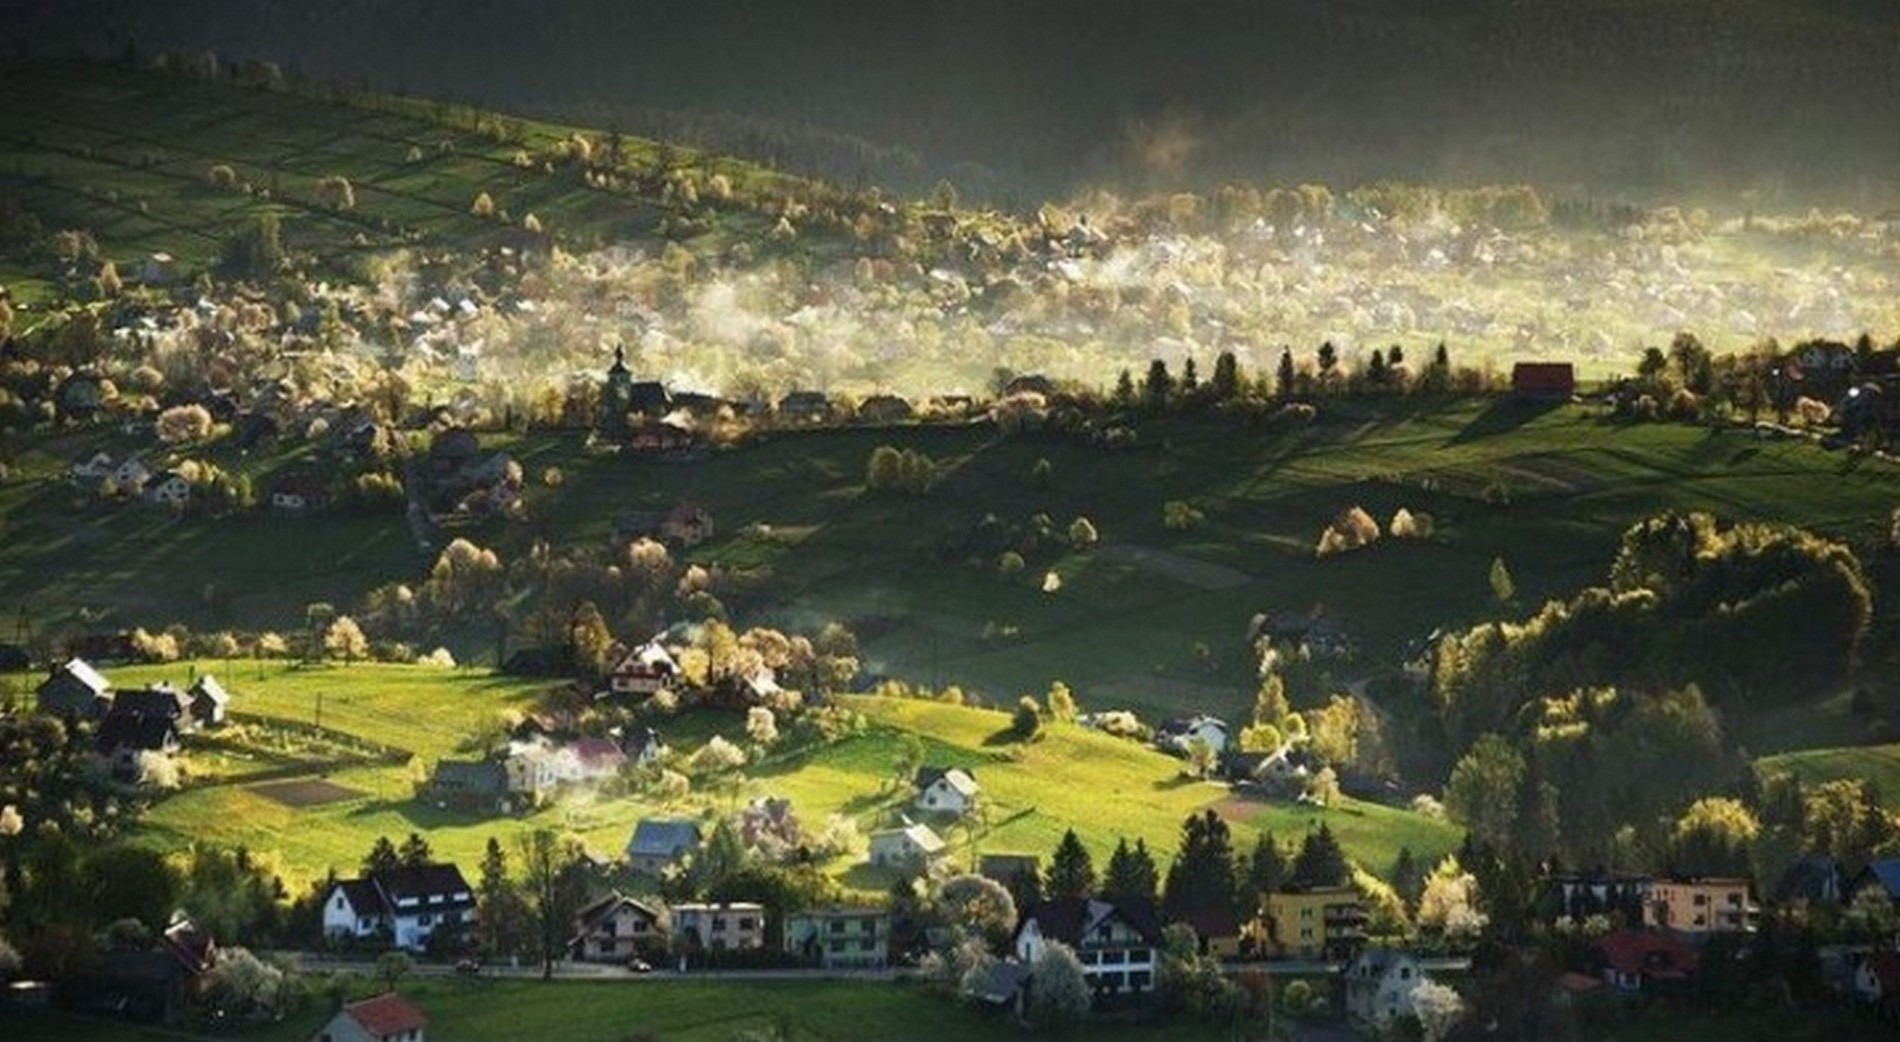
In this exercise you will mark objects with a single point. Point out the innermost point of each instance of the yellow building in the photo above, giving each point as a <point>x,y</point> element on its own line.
<point>1700,905</point>
<point>1318,923</point>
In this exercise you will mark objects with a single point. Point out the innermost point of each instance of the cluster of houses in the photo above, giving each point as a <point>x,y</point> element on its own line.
<point>135,721</point>
<point>131,478</point>
<point>536,766</point>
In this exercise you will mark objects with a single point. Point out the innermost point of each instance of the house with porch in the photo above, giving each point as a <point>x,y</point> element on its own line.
<point>617,928</point>
<point>407,905</point>
<point>1117,942</point>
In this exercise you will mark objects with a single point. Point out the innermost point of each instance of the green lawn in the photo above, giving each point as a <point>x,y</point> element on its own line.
<point>1879,764</point>
<point>1068,778</point>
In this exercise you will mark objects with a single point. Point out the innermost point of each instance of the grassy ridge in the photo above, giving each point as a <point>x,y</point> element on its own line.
<point>1034,792</point>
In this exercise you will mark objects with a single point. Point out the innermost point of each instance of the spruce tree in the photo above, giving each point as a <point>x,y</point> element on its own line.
<point>1159,386</point>
<point>1071,872</point>
<point>415,851</point>
<point>382,857</point>
<point>1286,372</point>
<point>1201,879</point>
<point>1131,873</point>
<point>1320,861</point>
<point>1226,382</point>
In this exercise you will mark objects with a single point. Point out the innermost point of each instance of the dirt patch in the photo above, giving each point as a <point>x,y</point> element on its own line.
<point>1185,570</point>
<point>307,792</point>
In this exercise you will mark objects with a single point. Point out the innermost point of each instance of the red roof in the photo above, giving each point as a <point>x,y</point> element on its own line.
<point>1647,953</point>
<point>1886,968</point>
<point>386,1015</point>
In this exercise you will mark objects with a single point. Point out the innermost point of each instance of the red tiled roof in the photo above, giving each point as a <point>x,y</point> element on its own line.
<point>386,1015</point>
<point>1651,954</point>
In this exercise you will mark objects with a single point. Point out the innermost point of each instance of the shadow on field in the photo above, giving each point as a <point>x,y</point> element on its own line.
<point>1503,417</point>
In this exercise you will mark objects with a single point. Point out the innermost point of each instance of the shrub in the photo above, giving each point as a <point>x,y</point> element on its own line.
<point>1179,516</point>
<point>1407,525</point>
<point>1028,718</point>
<point>1082,534</point>
<point>1351,530</point>
<point>483,206</point>
<point>221,176</point>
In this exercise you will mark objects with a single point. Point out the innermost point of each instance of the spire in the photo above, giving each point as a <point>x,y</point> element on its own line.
<point>620,359</point>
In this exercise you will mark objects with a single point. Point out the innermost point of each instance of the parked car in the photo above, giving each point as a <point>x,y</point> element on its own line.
<point>639,966</point>
<point>468,967</point>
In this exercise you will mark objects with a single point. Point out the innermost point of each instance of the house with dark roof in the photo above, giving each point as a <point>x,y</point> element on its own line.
<point>468,785</point>
<point>804,407</point>
<point>1118,942</point>
<point>1883,874</point>
<point>884,408</point>
<point>408,905</point>
<point>1810,880</point>
<point>124,736</point>
<point>385,1018</point>
<point>658,843</point>
<point>74,689</point>
<point>1543,381</point>
<point>616,928</point>
<point>159,699</point>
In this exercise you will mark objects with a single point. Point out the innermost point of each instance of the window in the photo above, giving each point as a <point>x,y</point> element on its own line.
<point>1735,899</point>
<point>1701,899</point>
<point>719,923</point>
<point>837,926</point>
<point>835,947</point>
<point>1405,973</point>
<point>748,924</point>
<point>867,945</point>
<point>425,920</point>
<point>1306,913</point>
<point>1140,980</point>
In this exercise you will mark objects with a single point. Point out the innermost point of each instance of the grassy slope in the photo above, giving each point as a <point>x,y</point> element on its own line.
<point>1879,764</point>
<point>125,155</point>
<point>1063,780</point>
<point>1120,631</point>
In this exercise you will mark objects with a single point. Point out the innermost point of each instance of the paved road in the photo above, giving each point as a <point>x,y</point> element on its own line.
<point>314,963</point>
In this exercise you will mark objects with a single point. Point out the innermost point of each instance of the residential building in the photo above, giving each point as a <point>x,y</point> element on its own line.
<point>912,847</point>
<point>587,760</point>
<point>167,489</point>
<point>728,926</point>
<point>645,670</point>
<point>1315,923</point>
<point>1578,896</point>
<point>687,524</point>
<point>1882,875</point>
<point>1117,942</point>
<point>1636,961</point>
<point>470,786</point>
<point>837,938</point>
<point>643,745</point>
<point>805,407</point>
<point>884,408</point>
<point>210,702</point>
<point>159,699</point>
<point>617,928</point>
<point>946,790</point>
<point>1379,986</point>
<point>531,770</point>
<point>74,689</point>
<point>385,1018</point>
<point>1700,905</point>
<point>1877,984</point>
<point>1179,734</point>
<point>124,736</point>
<point>658,843</point>
<point>407,905</point>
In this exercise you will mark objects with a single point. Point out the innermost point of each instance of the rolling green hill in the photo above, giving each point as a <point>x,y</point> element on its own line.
<point>1032,792</point>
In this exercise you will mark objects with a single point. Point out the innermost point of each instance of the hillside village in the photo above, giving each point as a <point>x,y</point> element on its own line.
<point>791,593</point>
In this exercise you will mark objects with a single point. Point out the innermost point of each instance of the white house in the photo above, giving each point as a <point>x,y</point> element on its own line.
<point>1179,734</point>
<point>942,791</point>
<point>99,467</point>
<point>911,847</point>
<point>1117,942</point>
<point>645,670</point>
<point>1379,985</point>
<point>407,904</point>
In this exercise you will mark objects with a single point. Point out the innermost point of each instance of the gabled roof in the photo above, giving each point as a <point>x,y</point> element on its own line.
<point>647,658</point>
<point>1543,376</point>
<point>1648,953</point>
<point>955,777</point>
<point>597,753</point>
<point>78,669</point>
<point>1885,966</point>
<point>659,837</point>
<point>144,732</point>
<point>386,1015</point>
<point>157,700</point>
<point>1071,920</point>
<point>437,880</point>
<point>365,900</point>
<point>192,947</point>
<point>592,914</point>
<point>1884,873</point>
<point>1815,877</point>
<point>480,776</point>
<point>207,686</point>
<point>920,836</point>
